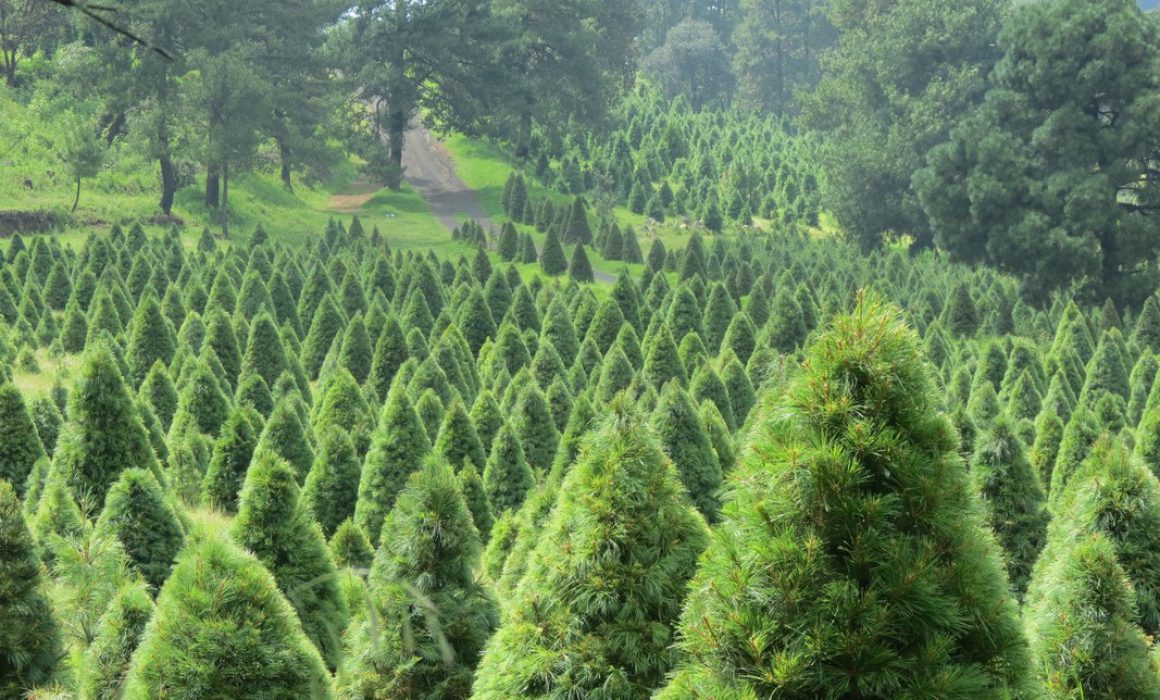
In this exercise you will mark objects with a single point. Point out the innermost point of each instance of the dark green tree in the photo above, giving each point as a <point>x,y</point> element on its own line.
<point>285,436</point>
<point>30,645</point>
<point>458,440</point>
<point>20,447</point>
<point>1014,502</point>
<point>249,641</point>
<point>232,453</point>
<point>331,489</point>
<point>1081,624</point>
<point>507,477</point>
<point>685,441</point>
<point>552,259</point>
<point>276,527</point>
<point>1052,129</point>
<point>398,448</point>
<point>119,631</point>
<point>855,450</point>
<point>579,268</point>
<point>138,515</point>
<point>431,616</point>
<point>104,434</point>
<point>351,547</point>
<point>596,611</point>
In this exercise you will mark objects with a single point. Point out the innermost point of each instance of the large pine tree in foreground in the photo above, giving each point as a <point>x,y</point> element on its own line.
<point>852,560</point>
<point>429,618</point>
<point>595,614</point>
<point>29,641</point>
<point>223,630</point>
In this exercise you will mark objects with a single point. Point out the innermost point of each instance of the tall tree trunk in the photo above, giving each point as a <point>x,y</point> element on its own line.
<point>212,186</point>
<point>168,184</point>
<point>396,132</point>
<point>284,155</point>
<point>226,200</point>
<point>10,71</point>
<point>77,198</point>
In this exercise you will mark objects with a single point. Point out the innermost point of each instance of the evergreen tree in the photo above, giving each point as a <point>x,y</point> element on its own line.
<point>861,484</point>
<point>435,617</point>
<point>960,316</point>
<point>509,242</point>
<point>119,631</point>
<point>787,327</point>
<point>457,439</point>
<point>331,488</point>
<point>20,447</point>
<point>552,260</point>
<point>595,614</point>
<point>1147,331</point>
<point>159,392</point>
<point>687,444</point>
<point>249,641</point>
<point>29,639</point>
<point>507,478</point>
<point>326,324</point>
<point>285,436</point>
<point>274,525</point>
<point>1014,501</point>
<point>265,352</point>
<point>475,321</point>
<point>475,496</point>
<point>104,434</point>
<point>1113,494</point>
<point>1081,623</point>
<point>390,354</point>
<point>231,458</point>
<point>137,513</point>
<point>662,362</point>
<point>357,354</point>
<point>398,448</point>
<point>534,427</point>
<point>578,232</point>
<point>351,547</point>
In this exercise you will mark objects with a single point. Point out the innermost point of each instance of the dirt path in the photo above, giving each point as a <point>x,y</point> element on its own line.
<point>430,170</point>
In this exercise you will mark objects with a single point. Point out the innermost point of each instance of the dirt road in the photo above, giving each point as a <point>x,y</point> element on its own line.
<point>430,170</point>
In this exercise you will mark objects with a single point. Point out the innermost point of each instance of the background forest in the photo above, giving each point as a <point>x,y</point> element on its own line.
<point>766,349</point>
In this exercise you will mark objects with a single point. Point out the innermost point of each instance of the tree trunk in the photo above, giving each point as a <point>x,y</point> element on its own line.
<point>77,198</point>
<point>284,154</point>
<point>396,131</point>
<point>168,184</point>
<point>10,72</point>
<point>226,201</point>
<point>212,187</point>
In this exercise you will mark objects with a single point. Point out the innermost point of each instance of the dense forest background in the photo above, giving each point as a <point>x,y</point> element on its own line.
<point>609,349</point>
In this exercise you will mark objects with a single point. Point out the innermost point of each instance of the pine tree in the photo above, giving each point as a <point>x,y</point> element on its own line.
<point>20,447</point>
<point>662,362</point>
<point>29,639</point>
<point>357,354</point>
<point>285,436</point>
<point>331,488</point>
<point>151,339</point>
<point>351,547</point>
<point>221,337</point>
<point>475,496</point>
<point>1147,331</point>
<point>398,448</point>
<point>787,327</point>
<point>534,427</point>
<point>960,316</point>
<point>390,354</point>
<point>578,231</point>
<point>159,392</point>
<point>507,478</point>
<point>274,525</point>
<point>249,643</point>
<point>326,324</point>
<point>595,614</point>
<point>552,260</point>
<point>232,453</point>
<point>509,242</point>
<point>580,268</point>
<point>686,442</point>
<point>137,513</point>
<point>1112,493</point>
<point>119,631</point>
<point>1014,501</point>
<point>265,353</point>
<point>104,434</point>
<point>433,616</point>
<point>1082,628</point>
<point>719,436</point>
<point>850,487</point>
<point>457,439</point>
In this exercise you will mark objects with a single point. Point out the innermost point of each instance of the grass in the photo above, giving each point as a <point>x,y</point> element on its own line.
<point>37,384</point>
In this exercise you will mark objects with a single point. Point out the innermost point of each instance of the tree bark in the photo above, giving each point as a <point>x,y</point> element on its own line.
<point>10,72</point>
<point>77,198</point>
<point>284,155</point>
<point>168,184</point>
<point>226,200</point>
<point>396,131</point>
<point>212,187</point>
